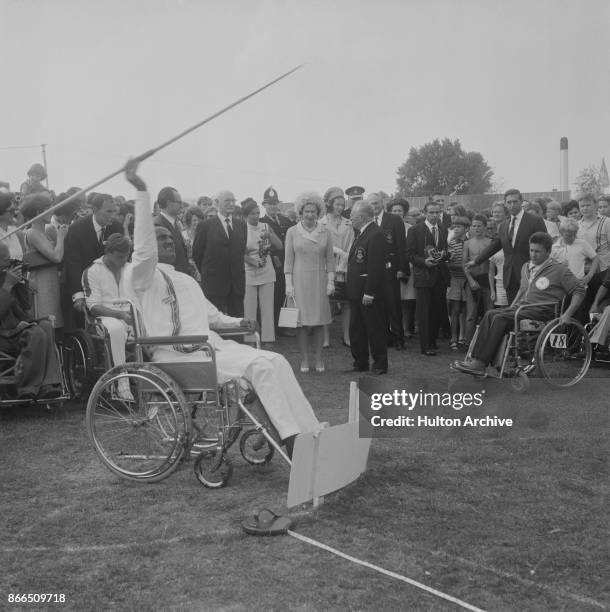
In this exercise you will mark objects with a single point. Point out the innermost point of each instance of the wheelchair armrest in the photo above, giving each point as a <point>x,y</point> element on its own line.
<point>233,331</point>
<point>236,332</point>
<point>171,340</point>
<point>522,306</point>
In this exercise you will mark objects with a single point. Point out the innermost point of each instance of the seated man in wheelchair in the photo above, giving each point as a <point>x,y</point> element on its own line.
<point>600,331</point>
<point>542,280</point>
<point>36,370</point>
<point>172,303</point>
<point>103,281</point>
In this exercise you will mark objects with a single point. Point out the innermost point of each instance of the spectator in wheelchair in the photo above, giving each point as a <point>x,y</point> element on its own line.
<point>171,303</point>
<point>542,280</point>
<point>601,304</point>
<point>36,369</point>
<point>104,281</point>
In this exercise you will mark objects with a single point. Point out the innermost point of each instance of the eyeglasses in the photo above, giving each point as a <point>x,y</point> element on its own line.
<point>513,201</point>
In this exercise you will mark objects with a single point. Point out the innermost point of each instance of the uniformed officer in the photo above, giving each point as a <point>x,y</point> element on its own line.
<point>354,194</point>
<point>396,266</point>
<point>279,224</point>
<point>365,292</point>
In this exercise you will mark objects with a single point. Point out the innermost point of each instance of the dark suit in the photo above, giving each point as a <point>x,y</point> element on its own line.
<point>366,275</point>
<point>81,248</point>
<point>280,226</point>
<point>182,262</point>
<point>220,260</point>
<point>38,363</point>
<point>430,282</point>
<point>393,229</point>
<point>514,256</point>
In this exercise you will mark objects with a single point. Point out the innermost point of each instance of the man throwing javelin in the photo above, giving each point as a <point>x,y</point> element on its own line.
<point>172,304</point>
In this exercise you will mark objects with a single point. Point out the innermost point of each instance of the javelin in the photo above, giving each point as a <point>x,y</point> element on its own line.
<point>151,152</point>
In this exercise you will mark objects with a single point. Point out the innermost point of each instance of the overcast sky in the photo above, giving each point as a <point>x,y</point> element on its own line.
<point>100,80</point>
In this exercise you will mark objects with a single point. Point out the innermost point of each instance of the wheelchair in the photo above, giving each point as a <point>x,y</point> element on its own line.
<point>560,354</point>
<point>600,352</point>
<point>86,356</point>
<point>144,419</point>
<point>9,365</point>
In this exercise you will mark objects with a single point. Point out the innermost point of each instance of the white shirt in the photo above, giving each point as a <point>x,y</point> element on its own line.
<point>431,228</point>
<point>223,221</point>
<point>516,227</point>
<point>597,233</point>
<point>573,254</point>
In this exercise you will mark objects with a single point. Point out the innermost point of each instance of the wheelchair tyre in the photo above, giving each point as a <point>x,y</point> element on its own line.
<point>77,352</point>
<point>144,437</point>
<point>248,447</point>
<point>213,470</point>
<point>520,382</point>
<point>563,353</point>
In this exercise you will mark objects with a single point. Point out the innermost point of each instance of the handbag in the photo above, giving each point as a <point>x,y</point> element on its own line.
<point>289,317</point>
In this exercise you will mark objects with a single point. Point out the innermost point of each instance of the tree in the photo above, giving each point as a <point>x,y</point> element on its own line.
<point>588,181</point>
<point>443,167</point>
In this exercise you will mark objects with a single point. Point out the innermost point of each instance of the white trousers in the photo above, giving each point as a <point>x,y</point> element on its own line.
<point>117,330</point>
<point>261,295</point>
<point>270,375</point>
<point>599,333</point>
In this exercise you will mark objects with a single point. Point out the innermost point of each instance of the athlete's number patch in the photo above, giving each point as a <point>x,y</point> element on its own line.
<point>559,340</point>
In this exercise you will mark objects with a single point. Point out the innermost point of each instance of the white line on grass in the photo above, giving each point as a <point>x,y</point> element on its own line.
<point>410,581</point>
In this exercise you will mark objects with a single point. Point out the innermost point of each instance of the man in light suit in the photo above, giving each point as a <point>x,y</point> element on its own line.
<point>83,245</point>
<point>218,251</point>
<point>427,251</point>
<point>170,205</point>
<point>365,288</point>
<point>513,237</point>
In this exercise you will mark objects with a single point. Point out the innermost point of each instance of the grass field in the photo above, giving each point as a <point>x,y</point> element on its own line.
<point>505,519</point>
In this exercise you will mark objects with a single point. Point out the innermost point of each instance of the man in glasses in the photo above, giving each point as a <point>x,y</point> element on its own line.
<point>170,207</point>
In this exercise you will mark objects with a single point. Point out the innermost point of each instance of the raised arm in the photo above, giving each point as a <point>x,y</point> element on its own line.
<point>144,259</point>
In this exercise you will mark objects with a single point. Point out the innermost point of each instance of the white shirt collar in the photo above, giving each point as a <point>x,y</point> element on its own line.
<point>366,225</point>
<point>96,226</point>
<point>171,220</point>
<point>430,226</point>
<point>517,216</point>
<point>223,219</point>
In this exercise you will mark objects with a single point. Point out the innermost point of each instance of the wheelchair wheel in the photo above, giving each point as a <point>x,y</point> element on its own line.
<point>138,421</point>
<point>213,469</point>
<point>255,448</point>
<point>520,382</point>
<point>563,353</point>
<point>77,352</point>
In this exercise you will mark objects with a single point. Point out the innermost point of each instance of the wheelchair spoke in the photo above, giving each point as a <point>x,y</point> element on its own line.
<point>143,438</point>
<point>563,353</point>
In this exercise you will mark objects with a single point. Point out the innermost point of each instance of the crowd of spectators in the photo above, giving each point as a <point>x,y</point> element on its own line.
<point>250,258</point>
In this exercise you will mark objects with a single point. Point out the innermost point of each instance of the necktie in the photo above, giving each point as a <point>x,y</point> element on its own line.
<point>100,237</point>
<point>511,229</point>
<point>229,227</point>
<point>435,235</point>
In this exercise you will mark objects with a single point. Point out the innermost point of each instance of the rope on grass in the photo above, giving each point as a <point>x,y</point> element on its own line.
<point>410,581</point>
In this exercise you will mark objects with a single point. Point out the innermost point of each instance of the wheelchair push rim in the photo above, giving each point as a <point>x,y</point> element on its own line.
<point>138,421</point>
<point>563,353</point>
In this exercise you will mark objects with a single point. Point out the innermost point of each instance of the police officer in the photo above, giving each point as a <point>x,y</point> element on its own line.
<point>354,194</point>
<point>365,292</point>
<point>279,224</point>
